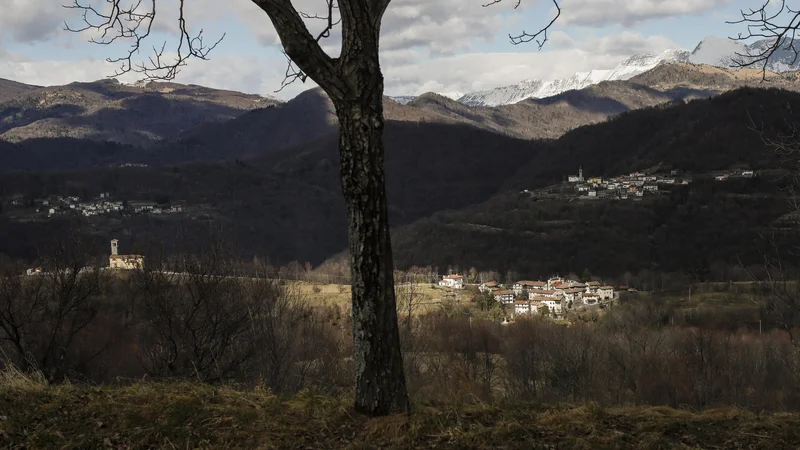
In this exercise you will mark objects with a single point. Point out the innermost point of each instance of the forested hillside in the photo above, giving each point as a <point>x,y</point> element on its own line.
<point>454,194</point>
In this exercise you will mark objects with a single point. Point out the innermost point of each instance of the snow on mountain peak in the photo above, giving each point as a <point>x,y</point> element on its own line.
<point>627,69</point>
<point>712,50</point>
<point>455,95</point>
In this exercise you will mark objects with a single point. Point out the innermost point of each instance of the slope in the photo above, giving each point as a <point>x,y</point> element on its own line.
<point>311,116</point>
<point>289,205</point>
<point>695,225</point>
<point>10,89</point>
<point>109,111</point>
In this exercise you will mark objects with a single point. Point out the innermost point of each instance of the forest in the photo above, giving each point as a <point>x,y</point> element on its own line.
<point>454,195</point>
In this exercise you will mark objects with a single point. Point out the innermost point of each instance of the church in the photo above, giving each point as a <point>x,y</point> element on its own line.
<point>123,262</point>
<point>578,178</point>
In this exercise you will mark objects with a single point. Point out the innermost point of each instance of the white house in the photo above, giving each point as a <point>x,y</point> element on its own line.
<point>554,306</point>
<point>591,299</point>
<point>488,286</point>
<point>605,292</point>
<point>573,294</point>
<point>504,297</point>
<point>452,281</point>
<point>523,307</point>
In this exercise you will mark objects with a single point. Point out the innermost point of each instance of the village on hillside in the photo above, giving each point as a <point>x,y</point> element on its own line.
<point>101,205</point>
<point>635,185</point>
<point>552,298</point>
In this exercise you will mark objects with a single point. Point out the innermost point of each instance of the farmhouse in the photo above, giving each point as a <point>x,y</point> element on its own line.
<point>452,281</point>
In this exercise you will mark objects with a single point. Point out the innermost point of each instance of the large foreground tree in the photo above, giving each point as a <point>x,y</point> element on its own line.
<point>354,82</point>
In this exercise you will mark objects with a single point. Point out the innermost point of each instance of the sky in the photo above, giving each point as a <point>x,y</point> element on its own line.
<point>426,45</point>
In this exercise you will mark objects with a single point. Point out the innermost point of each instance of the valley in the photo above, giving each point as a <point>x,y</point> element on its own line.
<point>235,233</point>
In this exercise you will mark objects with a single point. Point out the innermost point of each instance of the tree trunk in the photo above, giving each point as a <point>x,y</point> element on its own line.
<point>380,380</point>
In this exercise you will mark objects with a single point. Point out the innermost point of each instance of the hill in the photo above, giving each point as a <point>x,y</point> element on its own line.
<point>10,89</point>
<point>289,205</point>
<point>182,415</point>
<point>454,193</point>
<point>311,116</point>
<point>109,111</point>
<point>206,125</point>
<point>715,79</point>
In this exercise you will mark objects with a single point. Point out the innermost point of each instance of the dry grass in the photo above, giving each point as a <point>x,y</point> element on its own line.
<point>186,415</point>
<point>323,295</point>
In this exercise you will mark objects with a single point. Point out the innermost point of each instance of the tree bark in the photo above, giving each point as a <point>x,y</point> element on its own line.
<point>354,83</point>
<point>380,380</point>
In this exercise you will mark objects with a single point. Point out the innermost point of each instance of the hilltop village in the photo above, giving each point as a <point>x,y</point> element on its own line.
<point>634,185</point>
<point>554,297</point>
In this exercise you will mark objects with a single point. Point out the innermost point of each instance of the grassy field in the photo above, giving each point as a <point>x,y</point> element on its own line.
<point>428,296</point>
<point>34,415</point>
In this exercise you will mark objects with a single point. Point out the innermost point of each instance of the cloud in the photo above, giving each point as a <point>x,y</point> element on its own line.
<point>600,13</point>
<point>406,71</point>
<point>31,21</point>
<point>627,43</point>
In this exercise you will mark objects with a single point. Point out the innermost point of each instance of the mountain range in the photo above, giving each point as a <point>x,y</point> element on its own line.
<point>107,110</point>
<point>267,171</point>
<point>714,51</point>
<point>168,123</point>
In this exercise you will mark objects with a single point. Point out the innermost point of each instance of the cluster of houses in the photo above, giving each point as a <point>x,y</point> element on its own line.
<point>552,297</point>
<point>724,176</point>
<point>633,185</point>
<point>101,205</point>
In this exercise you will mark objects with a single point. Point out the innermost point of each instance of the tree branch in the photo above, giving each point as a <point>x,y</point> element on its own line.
<point>135,23</point>
<point>780,26</point>
<point>301,47</point>
<point>540,37</point>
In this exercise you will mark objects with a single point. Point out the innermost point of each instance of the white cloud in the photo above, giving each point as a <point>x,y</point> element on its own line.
<point>598,13</point>
<point>406,71</point>
<point>31,21</point>
<point>426,45</point>
<point>627,43</point>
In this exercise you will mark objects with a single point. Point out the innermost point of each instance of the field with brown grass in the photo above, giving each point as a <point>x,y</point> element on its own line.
<point>35,415</point>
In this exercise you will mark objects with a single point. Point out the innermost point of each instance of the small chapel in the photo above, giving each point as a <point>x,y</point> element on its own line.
<point>123,262</point>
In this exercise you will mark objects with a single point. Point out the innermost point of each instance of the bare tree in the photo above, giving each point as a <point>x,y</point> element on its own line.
<point>354,83</point>
<point>778,277</point>
<point>779,25</point>
<point>42,315</point>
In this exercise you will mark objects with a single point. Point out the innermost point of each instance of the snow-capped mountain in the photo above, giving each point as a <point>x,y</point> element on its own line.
<point>455,95</point>
<point>540,89</point>
<point>723,52</point>
<point>715,51</point>
<point>403,99</point>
